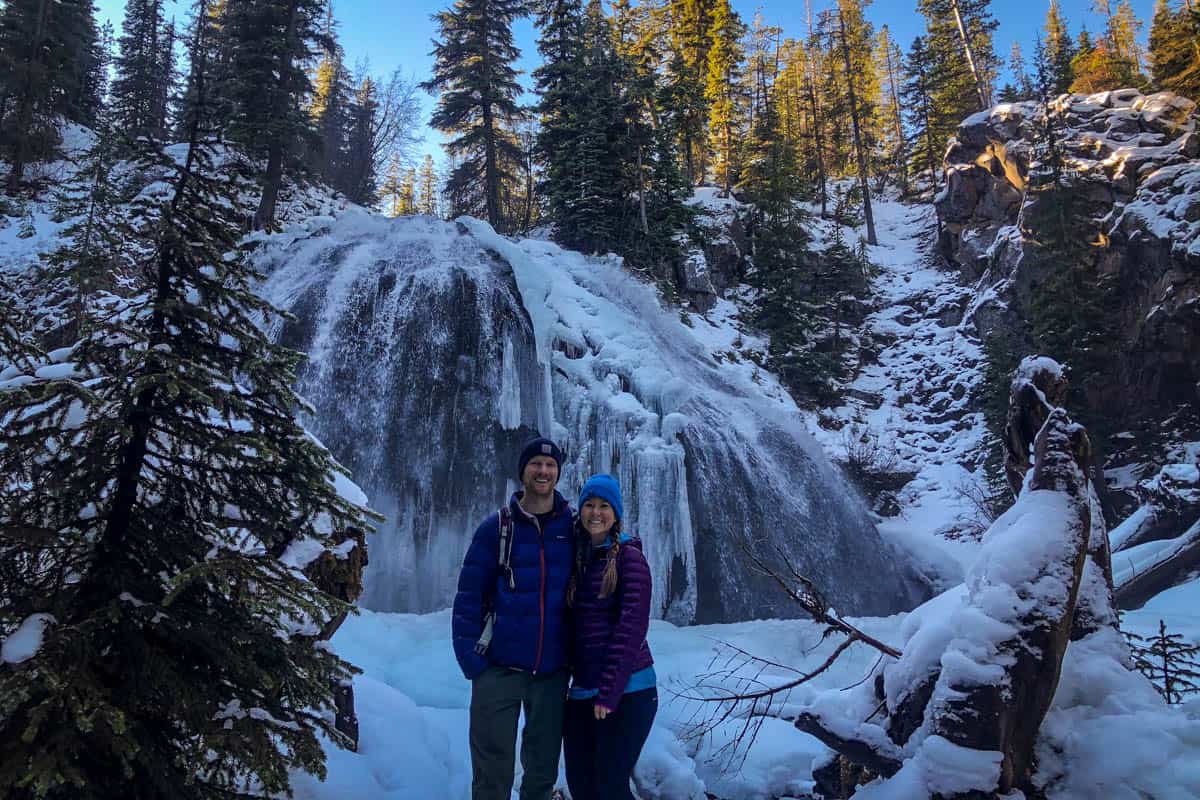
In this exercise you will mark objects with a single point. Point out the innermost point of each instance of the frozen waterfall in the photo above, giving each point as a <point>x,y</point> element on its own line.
<point>436,348</point>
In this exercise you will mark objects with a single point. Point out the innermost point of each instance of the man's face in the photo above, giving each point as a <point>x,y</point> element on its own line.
<point>540,476</point>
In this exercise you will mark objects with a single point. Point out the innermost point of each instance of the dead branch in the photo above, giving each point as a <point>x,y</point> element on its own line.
<point>855,750</point>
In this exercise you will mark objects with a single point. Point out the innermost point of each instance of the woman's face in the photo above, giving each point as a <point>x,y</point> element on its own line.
<point>598,518</point>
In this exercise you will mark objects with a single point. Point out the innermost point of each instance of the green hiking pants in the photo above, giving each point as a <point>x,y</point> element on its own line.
<point>497,696</point>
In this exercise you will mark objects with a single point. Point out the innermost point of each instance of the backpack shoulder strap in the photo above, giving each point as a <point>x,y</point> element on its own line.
<point>506,537</point>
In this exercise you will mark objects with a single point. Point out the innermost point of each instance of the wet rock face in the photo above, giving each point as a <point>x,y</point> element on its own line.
<point>1132,172</point>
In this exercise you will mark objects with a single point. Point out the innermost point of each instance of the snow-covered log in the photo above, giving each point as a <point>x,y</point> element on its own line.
<point>1158,546</point>
<point>960,711</point>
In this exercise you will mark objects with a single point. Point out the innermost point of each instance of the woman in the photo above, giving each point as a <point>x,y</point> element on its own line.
<point>613,696</point>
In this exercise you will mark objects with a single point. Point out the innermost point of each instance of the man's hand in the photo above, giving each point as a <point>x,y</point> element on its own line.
<point>602,711</point>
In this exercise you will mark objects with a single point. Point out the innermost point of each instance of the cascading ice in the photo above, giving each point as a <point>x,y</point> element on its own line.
<point>437,348</point>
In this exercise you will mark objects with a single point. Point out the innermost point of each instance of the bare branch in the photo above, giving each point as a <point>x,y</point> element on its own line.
<point>856,750</point>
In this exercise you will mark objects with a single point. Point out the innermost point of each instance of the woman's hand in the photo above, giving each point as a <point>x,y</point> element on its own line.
<point>602,711</point>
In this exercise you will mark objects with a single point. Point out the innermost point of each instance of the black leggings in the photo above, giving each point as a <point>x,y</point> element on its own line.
<point>600,754</point>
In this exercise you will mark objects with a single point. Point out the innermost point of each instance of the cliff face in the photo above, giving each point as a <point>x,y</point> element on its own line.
<point>1113,180</point>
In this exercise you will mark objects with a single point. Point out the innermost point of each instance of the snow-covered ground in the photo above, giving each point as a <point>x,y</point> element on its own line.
<point>412,706</point>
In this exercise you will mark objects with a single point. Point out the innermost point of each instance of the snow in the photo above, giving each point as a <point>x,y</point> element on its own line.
<point>24,643</point>
<point>1108,734</point>
<point>412,705</point>
<point>1132,562</point>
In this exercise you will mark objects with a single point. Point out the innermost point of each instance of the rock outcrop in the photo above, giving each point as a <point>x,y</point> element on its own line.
<point>1128,163</point>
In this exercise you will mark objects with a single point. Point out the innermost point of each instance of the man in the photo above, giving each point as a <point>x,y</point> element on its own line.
<point>509,627</point>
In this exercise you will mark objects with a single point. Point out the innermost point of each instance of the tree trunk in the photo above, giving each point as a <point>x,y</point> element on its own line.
<point>642,194</point>
<point>25,107</point>
<point>984,99</point>
<point>264,216</point>
<point>818,139</point>
<point>901,167</point>
<point>859,150</point>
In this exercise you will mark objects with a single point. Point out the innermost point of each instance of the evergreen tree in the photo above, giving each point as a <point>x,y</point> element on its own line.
<point>94,88</point>
<point>427,194</point>
<point>918,94</point>
<point>264,83</point>
<point>854,41</point>
<point>151,490</point>
<point>357,178</point>
<point>721,89</point>
<point>477,104</point>
<point>961,62</point>
<point>782,261</point>
<point>591,213</point>
<point>329,108</point>
<point>559,82</point>
<point>407,195</point>
<point>47,51</point>
<point>1060,50</point>
<point>139,88</point>
<point>689,33</point>
<point>389,190</point>
<point>893,142</point>
<point>208,30</point>
<point>650,132</point>
<point>167,75</point>
<point>1170,662</point>
<point>1023,82</point>
<point>1175,49</point>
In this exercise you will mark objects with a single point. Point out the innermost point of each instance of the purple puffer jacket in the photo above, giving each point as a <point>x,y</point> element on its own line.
<point>608,642</point>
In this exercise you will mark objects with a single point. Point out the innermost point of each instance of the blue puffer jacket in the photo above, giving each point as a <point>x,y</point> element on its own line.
<point>531,620</point>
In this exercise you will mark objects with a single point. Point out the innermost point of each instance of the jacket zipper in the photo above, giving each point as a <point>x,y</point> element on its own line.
<point>541,595</point>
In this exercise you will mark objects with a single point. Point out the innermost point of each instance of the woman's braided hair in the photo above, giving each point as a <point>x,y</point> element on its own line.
<point>583,549</point>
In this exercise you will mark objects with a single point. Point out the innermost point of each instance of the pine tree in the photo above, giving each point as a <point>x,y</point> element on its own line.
<point>1175,49</point>
<point>477,104</point>
<point>893,143</point>
<point>961,62</point>
<point>918,94</point>
<point>263,81</point>
<point>649,138</point>
<point>854,40</point>
<point>560,89</point>
<point>689,34</point>
<point>389,190</point>
<point>721,89</point>
<point>1060,50</point>
<point>152,488</point>
<point>139,88</point>
<point>94,88</point>
<point>592,213</point>
<point>407,196</point>
<point>357,178</point>
<point>218,49</point>
<point>1170,662</point>
<point>329,107</point>
<point>46,54</point>
<point>1024,83</point>
<point>427,193</point>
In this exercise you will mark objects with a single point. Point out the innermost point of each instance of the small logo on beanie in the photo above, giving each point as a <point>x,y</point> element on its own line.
<point>548,449</point>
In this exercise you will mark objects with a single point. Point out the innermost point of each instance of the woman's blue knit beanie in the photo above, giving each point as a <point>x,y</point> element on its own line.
<point>606,488</point>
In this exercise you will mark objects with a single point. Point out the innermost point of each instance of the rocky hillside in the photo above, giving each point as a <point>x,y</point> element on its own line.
<point>1125,167</point>
<point>1079,226</point>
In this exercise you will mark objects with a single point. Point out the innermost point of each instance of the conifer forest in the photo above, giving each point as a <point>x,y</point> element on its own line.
<point>883,314</point>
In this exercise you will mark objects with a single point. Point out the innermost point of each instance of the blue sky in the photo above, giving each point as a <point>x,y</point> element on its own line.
<point>397,33</point>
